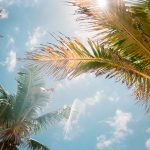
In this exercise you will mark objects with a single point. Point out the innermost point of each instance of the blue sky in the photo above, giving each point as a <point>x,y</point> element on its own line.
<point>104,114</point>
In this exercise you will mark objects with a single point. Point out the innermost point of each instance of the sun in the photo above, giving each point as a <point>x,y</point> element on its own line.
<point>102,3</point>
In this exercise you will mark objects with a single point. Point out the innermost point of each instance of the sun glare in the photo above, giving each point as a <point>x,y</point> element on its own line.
<point>102,3</point>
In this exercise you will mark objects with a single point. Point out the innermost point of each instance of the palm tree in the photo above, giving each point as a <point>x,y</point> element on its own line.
<point>20,114</point>
<point>120,47</point>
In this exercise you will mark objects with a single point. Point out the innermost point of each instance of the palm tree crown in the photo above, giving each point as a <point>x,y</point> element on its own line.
<point>120,47</point>
<point>20,114</point>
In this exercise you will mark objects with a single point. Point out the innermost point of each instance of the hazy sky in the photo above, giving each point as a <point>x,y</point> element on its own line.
<point>104,114</point>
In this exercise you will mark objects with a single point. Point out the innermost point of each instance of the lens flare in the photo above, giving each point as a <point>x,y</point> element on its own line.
<point>102,3</point>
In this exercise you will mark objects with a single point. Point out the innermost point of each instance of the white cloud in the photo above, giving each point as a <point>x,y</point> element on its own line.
<point>120,125</point>
<point>10,62</point>
<point>71,127</point>
<point>70,83</point>
<point>8,2</point>
<point>147,143</point>
<point>29,3</point>
<point>17,29</point>
<point>77,109</point>
<point>103,142</point>
<point>114,97</point>
<point>120,122</point>
<point>35,37</point>
<point>35,1</point>
<point>11,41</point>
<point>148,130</point>
<point>91,101</point>
<point>3,14</point>
<point>81,80</point>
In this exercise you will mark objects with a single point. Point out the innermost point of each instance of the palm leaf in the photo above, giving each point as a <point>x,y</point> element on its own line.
<point>19,115</point>
<point>6,104</point>
<point>35,145</point>
<point>49,119</point>
<point>30,96</point>
<point>7,146</point>
<point>120,20</point>
<point>3,93</point>
<point>71,58</point>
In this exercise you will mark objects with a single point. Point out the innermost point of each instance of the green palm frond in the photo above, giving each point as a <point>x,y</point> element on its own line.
<point>7,117</point>
<point>20,114</point>
<point>7,146</point>
<point>71,58</point>
<point>35,145</point>
<point>6,104</point>
<point>3,93</point>
<point>127,21</point>
<point>31,96</point>
<point>49,119</point>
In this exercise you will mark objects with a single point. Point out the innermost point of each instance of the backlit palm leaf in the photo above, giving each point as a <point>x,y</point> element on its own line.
<point>121,46</point>
<point>71,58</point>
<point>126,21</point>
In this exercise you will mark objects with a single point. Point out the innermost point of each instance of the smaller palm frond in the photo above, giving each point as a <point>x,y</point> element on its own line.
<point>3,93</point>
<point>71,58</point>
<point>6,104</point>
<point>20,114</point>
<point>35,145</point>
<point>49,119</point>
<point>19,111</point>
<point>128,21</point>
<point>32,95</point>
<point>8,146</point>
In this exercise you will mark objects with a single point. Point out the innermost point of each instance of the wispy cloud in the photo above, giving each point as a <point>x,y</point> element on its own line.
<point>10,61</point>
<point>11,41</point>
<point>3,14</point>
<point>147,143</point>
<point>91,101</point>
<point>29,3</point>
<point>71,127</point>
<point>35,37</point>
<point>77,109</point>
<point>17,29</point>
<point>148,130</point>
<point>76,82</point>
<point>114,97</point>
<point>36,1</point>
<point>120,125</point>
<point>8,2</point>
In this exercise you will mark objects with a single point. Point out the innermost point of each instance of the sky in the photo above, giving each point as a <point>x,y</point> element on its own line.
<point>104,114</point>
